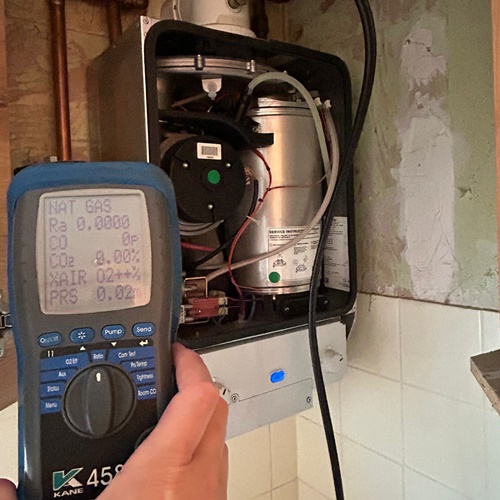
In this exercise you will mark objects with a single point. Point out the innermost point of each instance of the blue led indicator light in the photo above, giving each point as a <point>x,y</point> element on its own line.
<point>277,376</point>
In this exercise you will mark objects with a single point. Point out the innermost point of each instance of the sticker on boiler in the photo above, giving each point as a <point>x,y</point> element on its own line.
<point>294,264</point>
<point>336,260</point>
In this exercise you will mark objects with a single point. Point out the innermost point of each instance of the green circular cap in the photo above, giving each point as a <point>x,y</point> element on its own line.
<point>274,277</point>
<point>214,177</point>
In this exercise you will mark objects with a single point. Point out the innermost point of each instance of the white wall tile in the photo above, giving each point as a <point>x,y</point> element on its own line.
<point>288,491</point>
<point>8,443</point>
<point>444,439</point>
<point>418,487</point>
<point>492,433</point>
<point>250,465</point>
<point>490,331</point>
<point>437,342</point>
<point>369,476</point>
<point>308,493</point>
<point>373,344</point>
<point>313,463</point>
<point>284,451</point>
<point>371,412</point>
<point>314,414</point>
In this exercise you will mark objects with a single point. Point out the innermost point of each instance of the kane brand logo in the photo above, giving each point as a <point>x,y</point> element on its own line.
<point>61,479</point>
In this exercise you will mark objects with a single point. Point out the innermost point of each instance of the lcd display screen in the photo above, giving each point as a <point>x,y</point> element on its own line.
<point>93,251</point>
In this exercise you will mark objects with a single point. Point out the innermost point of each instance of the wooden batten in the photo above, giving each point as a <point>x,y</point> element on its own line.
<point>486,367</point>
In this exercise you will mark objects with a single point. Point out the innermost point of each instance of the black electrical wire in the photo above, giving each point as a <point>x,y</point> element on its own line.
<point>228,242</point>
<point>345,173</point>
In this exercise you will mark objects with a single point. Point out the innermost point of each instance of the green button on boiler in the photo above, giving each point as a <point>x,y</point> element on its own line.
<point>214,177</point>
<point>274,277</point>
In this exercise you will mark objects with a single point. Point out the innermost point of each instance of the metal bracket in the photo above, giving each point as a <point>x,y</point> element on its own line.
<point>5,323</point>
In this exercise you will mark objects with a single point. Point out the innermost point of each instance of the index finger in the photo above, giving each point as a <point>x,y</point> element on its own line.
<point>190,369</point>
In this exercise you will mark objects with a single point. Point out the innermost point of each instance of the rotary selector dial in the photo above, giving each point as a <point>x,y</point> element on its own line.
<point>99,400</point>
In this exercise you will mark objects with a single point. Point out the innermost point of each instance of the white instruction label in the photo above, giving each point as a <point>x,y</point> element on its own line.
<point>337,256</point>
<point>209,151</point>
<point>294,264</point>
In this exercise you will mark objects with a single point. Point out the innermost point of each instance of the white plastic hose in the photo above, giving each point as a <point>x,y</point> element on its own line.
<point>284,77</point>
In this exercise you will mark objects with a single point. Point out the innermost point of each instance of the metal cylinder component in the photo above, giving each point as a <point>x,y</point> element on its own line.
<point>295,163</point>
<point>193,70</point>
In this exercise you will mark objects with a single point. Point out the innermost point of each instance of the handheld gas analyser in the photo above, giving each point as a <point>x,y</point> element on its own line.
<point>95,288</point>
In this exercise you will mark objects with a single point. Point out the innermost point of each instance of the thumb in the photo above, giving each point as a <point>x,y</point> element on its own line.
<point>7,490</point>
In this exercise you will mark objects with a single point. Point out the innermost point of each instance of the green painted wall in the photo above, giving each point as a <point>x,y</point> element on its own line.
<point>425,171</point>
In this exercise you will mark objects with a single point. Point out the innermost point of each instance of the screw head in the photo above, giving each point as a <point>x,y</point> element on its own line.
<point>146,21</point>
<point>308,399</point>
<point>210,206</point>
<point>185,164</point>
<point>287,309</point>
<point>235,398</point>
<point>228,165</point>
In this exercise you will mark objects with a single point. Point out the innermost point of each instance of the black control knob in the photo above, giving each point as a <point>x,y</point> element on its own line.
<point>99,400</point>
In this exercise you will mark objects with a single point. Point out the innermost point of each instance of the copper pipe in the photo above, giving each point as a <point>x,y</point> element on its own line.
<point>134,4</point>
<point>114,20</point>
<point>259,20</point>
<point>60,77</point>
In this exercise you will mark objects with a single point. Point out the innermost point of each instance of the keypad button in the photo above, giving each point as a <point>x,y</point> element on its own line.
<point>146,392</point>
<point>50,406</point>
<point>96,356</point>
<point>113,332</point>
<point>117,355</point>
<point>56,375</point>
<point>143,329</point>
<point>144,377</point>
<point>140,364</point>
<point>52,389</point>
<point>72,361</point>
<point>82,335</point>
<point>49,339</point>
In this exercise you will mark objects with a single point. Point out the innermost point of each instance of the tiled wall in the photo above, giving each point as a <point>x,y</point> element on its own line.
<point>412,422</point>
<point>263,463</point>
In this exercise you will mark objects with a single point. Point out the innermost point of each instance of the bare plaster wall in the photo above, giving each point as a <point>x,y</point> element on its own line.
<point>425,171</point>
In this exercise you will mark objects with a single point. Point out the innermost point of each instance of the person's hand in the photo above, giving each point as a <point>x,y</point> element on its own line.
<point>7,490</point>
<point>185,457</point>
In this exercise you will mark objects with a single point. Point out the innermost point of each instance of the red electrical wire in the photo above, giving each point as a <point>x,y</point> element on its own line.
<point>200,248</point>
<point>248,222</point>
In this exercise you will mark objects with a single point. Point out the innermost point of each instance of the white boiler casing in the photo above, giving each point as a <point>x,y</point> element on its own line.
<point>216,14</point>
